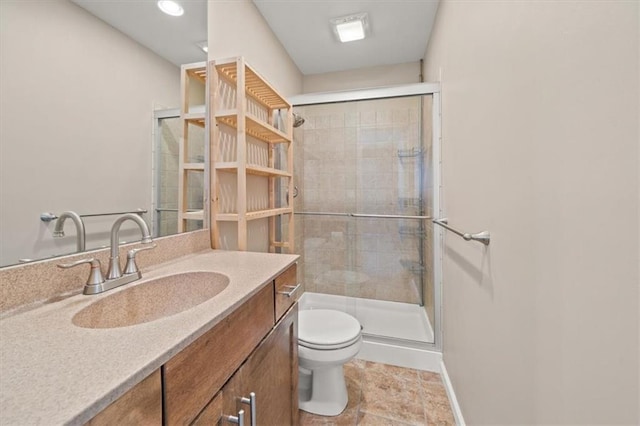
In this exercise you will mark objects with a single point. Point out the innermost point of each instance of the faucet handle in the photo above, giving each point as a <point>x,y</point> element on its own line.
<point>95,276</point>
<point>131,267</point>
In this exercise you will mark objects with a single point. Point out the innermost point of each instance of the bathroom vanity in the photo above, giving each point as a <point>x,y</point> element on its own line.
<point>235,351</point>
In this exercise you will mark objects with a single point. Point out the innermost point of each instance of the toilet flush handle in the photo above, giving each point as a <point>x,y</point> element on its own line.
<point>252,406</point>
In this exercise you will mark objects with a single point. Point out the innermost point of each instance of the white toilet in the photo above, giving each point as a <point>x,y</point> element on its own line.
<point>327,339</point>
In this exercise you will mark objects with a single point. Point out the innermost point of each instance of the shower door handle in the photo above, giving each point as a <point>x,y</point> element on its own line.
<point>252,406</point>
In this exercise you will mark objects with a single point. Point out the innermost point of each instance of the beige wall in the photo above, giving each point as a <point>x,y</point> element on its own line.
<point>76,107</point>
<point>236,28</point>
<point>540,147</point>
<point>384,75</point>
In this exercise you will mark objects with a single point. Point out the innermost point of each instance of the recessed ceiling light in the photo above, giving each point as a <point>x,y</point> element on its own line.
<point>170,7</point>
<point>204,46</point>
<point>351,28</point>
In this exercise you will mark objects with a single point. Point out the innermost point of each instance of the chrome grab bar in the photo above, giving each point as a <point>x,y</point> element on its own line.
<point>484,237</point>
<point>48,217</point>
<point>176,210</point>
<point>379,216</point>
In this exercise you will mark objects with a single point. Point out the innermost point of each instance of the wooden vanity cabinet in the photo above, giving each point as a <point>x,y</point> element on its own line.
<point>141,405</point>
<point>194,375</point>
<point>253,349</point>
<point>271,373</point>
<point>242,354</point>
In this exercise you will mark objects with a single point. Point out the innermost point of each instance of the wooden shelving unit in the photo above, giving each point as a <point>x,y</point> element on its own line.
<point>244,108</point>
<point>189,116</point>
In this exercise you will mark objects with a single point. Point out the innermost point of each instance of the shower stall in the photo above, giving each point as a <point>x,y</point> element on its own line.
<point>367,178</point>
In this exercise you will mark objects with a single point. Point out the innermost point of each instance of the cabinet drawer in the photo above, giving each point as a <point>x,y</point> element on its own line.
<point>287,291</point>
<point>193,376</point>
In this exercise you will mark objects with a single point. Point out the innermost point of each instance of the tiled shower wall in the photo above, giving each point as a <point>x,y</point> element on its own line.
<point>363,157</point>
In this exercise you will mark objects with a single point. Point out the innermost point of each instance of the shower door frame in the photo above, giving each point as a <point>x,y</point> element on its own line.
<point>417,89</point>
<point>158,116</point>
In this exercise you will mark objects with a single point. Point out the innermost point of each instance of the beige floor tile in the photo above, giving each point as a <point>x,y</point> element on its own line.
<point>430,376</point>
<point>366,419</point>
<point>439,413</point>
<point>308,419</point>
<point>397,397</point>
<point>372,368</point>
<point>382,395</point>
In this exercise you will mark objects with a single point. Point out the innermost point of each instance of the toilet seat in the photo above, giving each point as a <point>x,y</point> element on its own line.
<point>324,329</point>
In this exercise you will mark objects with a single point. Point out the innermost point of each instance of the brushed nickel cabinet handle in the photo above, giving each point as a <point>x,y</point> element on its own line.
<point>238,420</point>
<point>252,406</point>
<point>292,289</point>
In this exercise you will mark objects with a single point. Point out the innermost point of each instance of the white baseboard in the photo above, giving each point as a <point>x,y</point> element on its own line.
<point>455,407</point>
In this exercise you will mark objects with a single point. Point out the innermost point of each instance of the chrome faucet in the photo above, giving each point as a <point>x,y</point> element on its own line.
<point>114,270</point>
<point>58,231</point>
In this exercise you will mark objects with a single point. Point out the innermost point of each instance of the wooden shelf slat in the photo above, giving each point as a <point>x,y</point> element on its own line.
<point>259,214</point>
<point>193,166</point>
<point>197,70</point>
<point>256,86</point>
<point>254,126</point>
<point>252,169</point>
<point>196,118</point>
<point>197,215</point>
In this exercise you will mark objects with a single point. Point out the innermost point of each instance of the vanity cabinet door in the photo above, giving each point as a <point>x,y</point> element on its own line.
<point>195,375</point>
<point>271,372</point>
<point>141,405</point>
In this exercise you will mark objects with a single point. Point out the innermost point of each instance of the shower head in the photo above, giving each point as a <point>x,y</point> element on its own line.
<point>297,120</point>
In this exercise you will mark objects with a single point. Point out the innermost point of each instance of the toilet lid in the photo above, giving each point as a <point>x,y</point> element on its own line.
<point>327,329</point>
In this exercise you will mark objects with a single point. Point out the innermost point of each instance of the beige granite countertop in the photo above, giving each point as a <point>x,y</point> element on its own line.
<point>52,372</point>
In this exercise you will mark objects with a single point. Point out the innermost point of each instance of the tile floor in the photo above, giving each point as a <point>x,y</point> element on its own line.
<point>385,395</point>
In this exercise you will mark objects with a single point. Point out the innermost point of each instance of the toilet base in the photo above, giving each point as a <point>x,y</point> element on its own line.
<point>328,396</point>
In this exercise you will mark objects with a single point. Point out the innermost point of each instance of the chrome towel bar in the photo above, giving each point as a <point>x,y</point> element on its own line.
<point>484,237</point>
<point>390,216</point>
<point>48,217</point>
<point>377,216</point>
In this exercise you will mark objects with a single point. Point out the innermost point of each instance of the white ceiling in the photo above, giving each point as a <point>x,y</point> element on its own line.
<point>399,29</point>
<point>173,38</point>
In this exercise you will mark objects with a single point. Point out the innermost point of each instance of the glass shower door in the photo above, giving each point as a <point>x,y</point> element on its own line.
<point>363,170</point>
<point>166,170</point>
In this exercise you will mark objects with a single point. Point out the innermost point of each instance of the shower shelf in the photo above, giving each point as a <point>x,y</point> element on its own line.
<point>254,127</point>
